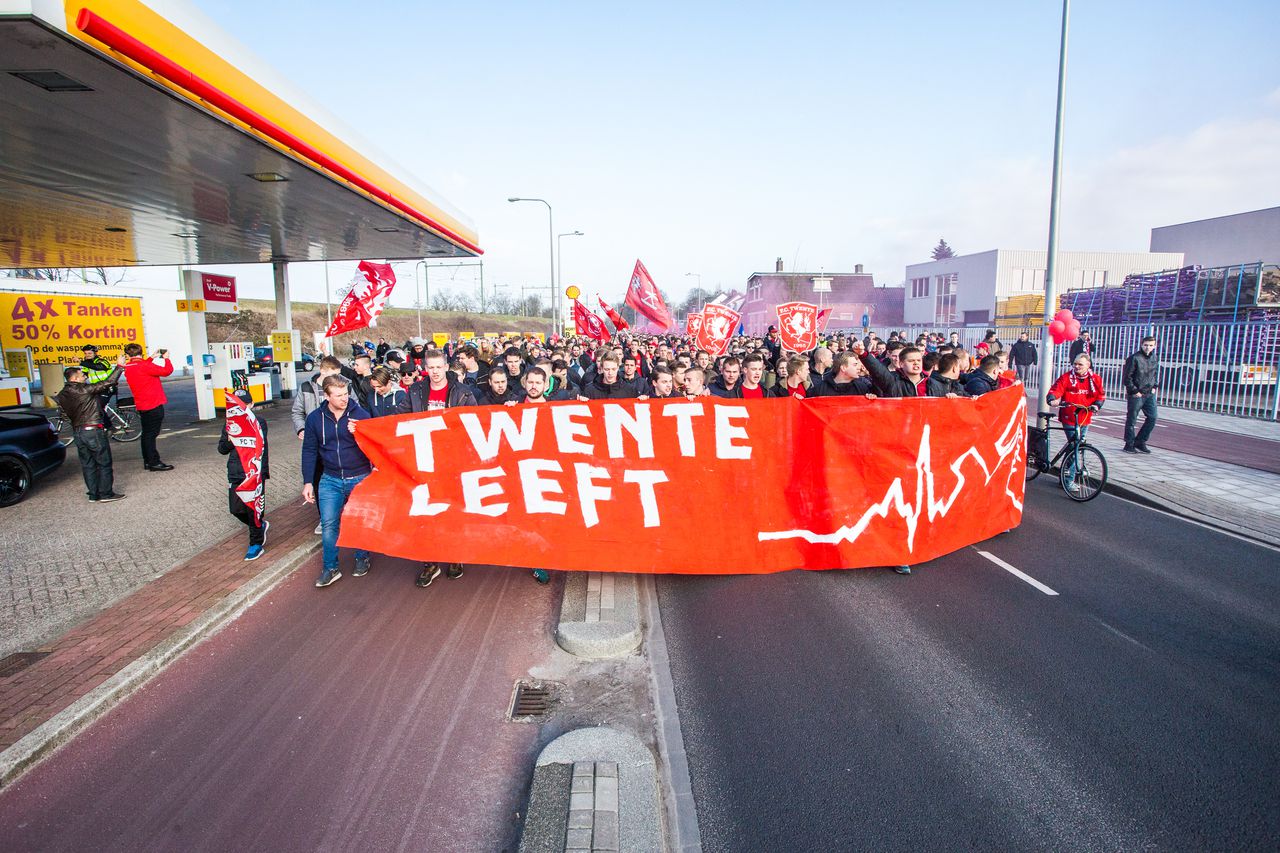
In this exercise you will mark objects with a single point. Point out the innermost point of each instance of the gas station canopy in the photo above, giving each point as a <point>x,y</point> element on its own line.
<point>139,134</point>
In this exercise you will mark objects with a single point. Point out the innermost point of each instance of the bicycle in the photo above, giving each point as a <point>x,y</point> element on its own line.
<point>121,420</point>
<point>1083,480</point>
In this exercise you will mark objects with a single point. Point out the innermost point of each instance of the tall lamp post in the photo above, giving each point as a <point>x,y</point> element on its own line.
<point>698,276</point>
<point>551,248</point>
<point>1051,268</point>
<point>560,270</point>
<point>417,291</point>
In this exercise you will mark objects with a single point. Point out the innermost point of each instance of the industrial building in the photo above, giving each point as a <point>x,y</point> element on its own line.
<point>967,290</point>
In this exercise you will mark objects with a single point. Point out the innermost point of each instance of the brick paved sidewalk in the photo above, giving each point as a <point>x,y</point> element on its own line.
<point>63,559</point>
<point>89,655</point>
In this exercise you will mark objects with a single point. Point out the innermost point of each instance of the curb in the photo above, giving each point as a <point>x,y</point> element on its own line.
<point>1142,498</point>
<point>600,616</point>
<point>75,718</point>
<point>591,783</point>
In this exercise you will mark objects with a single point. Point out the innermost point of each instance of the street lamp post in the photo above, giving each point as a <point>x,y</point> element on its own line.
<point>1051,268</point>
<point>698,276</point>
<point>560,270</point>
<point>551,248</point>
<point>417,291</point>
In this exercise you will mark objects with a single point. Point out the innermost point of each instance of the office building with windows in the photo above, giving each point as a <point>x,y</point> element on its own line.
<point>965,290</point>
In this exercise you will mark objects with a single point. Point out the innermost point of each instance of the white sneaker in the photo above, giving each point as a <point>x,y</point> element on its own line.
<point>319,528</point>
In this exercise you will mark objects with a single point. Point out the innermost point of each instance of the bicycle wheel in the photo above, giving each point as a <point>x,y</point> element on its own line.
<point>125,424</point>
<point>62,426</point>
<point>1034,465</point>
<point>1085,482</point>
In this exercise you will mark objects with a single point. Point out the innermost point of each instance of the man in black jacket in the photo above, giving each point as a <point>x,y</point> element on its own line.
<point>985,378</point>
<point>439,391</point>
<point>1141,377</point>
<point>905,381</point>
<point>607,385</point>
<point>497,390</point>
<point>846,379</point>
<point>79,400</point>
<point>728,384</point>
<point>1083,344</point>
<point>945,379</point>
<point>1024,356</point>
<point>235,476</point>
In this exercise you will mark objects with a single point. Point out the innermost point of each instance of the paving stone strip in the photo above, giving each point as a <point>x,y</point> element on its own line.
<point>91,654</point>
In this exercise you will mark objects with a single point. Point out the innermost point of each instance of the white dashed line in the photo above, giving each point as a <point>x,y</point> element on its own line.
<point>1018,574</point>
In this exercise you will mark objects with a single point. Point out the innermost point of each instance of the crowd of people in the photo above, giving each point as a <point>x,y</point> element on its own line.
<point>383,380</point>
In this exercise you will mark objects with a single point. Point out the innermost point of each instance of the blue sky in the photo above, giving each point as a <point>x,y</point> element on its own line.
<point>713,137</point>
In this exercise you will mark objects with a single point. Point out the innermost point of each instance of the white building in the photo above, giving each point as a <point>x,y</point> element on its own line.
<point>964,290</point>
<point>1242,238</point>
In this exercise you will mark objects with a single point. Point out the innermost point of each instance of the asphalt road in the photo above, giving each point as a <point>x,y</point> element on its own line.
<point>370,715</point>
<point>963,708</point>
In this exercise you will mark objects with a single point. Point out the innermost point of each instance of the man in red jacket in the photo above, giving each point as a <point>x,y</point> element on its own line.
<point>143,376</point>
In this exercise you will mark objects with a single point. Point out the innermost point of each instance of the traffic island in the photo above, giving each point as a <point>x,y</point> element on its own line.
<point>594,789</point>
<point>600,615</point>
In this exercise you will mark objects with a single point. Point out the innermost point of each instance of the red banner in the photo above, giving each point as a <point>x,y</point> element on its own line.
<point>693,325</point>
<point>718,326</point>
<point>705,487</point>
<point>587,323</point>
<point>643,295</point>
<point>245,434</point>
<point>615,318</point>
<point>364,302</point>
<point>823,316</point>
<point>798,326</point>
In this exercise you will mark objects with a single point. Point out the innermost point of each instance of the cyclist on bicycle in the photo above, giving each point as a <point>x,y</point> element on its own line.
<point>1079,386</point>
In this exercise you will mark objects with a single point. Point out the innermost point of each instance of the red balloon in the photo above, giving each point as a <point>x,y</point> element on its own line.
<point>1073,330</point>
<point>1058,328</point>
<point>1064,315</point>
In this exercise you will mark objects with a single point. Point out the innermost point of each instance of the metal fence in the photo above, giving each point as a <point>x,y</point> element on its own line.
<point>1228,368</point>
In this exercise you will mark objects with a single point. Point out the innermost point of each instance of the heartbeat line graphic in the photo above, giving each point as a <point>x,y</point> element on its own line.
<point>1009,446</point>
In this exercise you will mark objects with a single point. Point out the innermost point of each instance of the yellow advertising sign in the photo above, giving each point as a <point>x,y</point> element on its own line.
<point>197,305</point>
<point>184,305</point>
<point>440,338</point>
<point>282,347</point>
<point>467,336</point>
<point>55,326</point>
<point>541,336</point>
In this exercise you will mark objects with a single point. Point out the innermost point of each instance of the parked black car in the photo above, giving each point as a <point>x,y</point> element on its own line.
<point>29,448</point>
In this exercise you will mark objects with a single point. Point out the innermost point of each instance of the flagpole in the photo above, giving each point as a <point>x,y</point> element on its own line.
<point>328,307</point>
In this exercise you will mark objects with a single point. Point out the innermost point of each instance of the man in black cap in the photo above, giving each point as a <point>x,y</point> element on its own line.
<point>97,369</point>
<point>773,345</point>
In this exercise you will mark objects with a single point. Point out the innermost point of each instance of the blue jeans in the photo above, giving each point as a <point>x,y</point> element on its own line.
<point>1069,460</point>
<point>1147,405</point>
<point>332,497</point>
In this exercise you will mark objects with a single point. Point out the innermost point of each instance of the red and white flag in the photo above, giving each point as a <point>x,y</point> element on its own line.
<point>614,317</point>
<point>798,326</point>
<point>719,322</point>
<point>643,295</point>
<point>370,290</point>
<point>587,323</point>
<point>692,325</point>
<point>823,316</point>
<point>245,433</point>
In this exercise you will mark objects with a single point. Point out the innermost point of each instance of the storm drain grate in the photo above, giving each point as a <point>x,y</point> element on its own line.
<point>18,661</point>
<point>532,701</point>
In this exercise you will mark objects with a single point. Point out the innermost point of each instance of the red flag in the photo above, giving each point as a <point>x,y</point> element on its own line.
<point>246,434</point>
<point>587,323</point>
<point>642,295</point>
<point>369,293</point>
<point>718,325</point>
<point>823,316</point>
<point>798,326</point>
<point>614,317</point>
<point>692,325</point>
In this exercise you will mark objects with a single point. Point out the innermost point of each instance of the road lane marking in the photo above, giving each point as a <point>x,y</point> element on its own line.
<point>1018,574</point>
<point>179,432</point>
